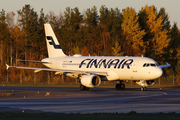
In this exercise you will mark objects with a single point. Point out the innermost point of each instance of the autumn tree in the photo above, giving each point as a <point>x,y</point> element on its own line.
<point>76,21</point>
<point>18,37</point>
<point>116,50</point>
<point>91,31</point>
<point>10,19</point>
<point>156,37</point>
<point>132,33</point>
<point>105,29</point>
<point>76,50</point>
<point>41,48</point>
<point>29,22</point>
<point>110,26</point>
<point>174,46</point>
<point>4,38</point>
<point>115,19</point>
<point>10,23</point>
<point>84,51</point>
<point>70,29</point>
<point>165,19</point>
<point>112,19</point>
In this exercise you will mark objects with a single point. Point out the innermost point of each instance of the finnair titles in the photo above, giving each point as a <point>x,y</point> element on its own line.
<point>104,63</point>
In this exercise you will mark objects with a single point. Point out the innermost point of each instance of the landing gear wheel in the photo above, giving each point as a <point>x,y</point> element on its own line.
<point>83,88</point>
<point>144,89</point>
<point>86,88</point>
<point>120,86</point>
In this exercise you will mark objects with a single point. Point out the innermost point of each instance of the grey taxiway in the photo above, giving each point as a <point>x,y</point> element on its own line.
<point>98,100</point>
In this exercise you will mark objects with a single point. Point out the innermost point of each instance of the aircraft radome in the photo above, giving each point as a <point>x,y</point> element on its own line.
<point>91,70</point>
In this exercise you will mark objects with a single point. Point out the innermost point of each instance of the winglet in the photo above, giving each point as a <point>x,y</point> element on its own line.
<point>7,66</point>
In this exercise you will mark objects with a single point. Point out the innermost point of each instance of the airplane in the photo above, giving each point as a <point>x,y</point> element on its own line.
<point>91,70</point>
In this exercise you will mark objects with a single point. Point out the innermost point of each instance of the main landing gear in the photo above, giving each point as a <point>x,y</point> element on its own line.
<point>144,89</point>
<point>83,88</point>
<point>120,86</point>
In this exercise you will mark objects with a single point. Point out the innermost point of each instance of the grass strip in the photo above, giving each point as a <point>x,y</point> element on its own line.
<point>96,116</point>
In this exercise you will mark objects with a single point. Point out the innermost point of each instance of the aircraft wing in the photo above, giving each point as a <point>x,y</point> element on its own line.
<point>163,66</point>
<point>59,70</point>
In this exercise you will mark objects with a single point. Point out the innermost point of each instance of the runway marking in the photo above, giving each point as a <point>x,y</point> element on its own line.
<point>82,101</point>
<point>97,100</point>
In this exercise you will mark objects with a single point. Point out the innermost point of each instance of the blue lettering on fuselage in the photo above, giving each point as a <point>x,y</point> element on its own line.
<point>104,63</point>
<point>114,62</point>
<point>127,63</point>
<point>121,63</point>
<point>89,63</point>
<point>94,63</point>
<point>82,63</point>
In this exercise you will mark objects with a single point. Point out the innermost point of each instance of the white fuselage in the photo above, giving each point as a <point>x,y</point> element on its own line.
<point>117,68</point>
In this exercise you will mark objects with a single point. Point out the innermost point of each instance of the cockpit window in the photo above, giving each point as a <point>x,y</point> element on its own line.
<point>153,64</point>
<point>144,65</point>
<point>149,64</point>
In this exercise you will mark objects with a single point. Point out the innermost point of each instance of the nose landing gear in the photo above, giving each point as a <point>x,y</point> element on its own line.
<point>144,89</point>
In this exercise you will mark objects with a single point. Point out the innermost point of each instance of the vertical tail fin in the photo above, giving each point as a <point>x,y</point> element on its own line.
<point>53,46</point>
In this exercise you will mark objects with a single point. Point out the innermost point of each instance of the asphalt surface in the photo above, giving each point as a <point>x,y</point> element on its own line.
<point>97,100</point>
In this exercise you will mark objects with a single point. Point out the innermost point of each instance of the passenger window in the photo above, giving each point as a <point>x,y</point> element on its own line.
<point>147,65</point>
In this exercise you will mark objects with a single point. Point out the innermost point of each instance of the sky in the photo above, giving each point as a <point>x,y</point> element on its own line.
<point>172,7</point>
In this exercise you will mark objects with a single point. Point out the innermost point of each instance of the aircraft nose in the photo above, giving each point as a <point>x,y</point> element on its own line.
<point>158,72</point>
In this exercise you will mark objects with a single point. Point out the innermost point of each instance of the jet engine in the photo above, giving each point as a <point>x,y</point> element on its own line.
<point>145,83</point>
<point>90,81</point>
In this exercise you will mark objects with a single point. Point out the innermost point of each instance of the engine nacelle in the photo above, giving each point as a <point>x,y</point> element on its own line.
<point>91,81</point>
<point>145,83</point>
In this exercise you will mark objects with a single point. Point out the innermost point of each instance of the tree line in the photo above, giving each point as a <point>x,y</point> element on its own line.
<point>109,32</point>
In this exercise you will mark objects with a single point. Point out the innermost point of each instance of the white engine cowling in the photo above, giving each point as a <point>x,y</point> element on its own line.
<point>90,81</point>
<point>145,83</point>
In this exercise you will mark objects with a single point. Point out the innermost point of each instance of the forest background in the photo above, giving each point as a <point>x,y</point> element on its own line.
<point>109,32</point>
